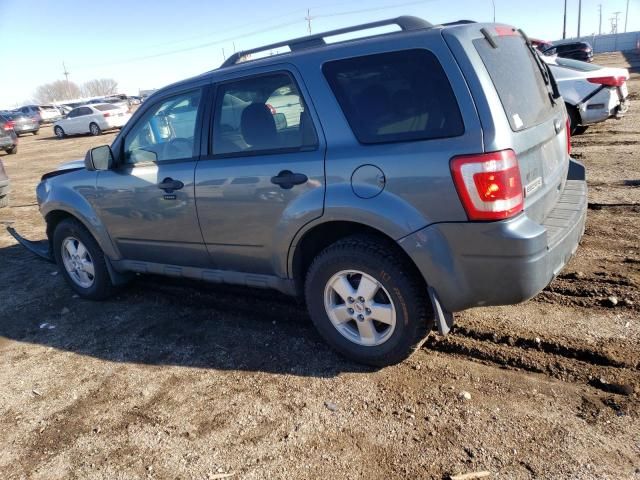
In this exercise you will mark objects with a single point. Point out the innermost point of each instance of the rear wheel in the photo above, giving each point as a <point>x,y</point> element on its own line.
<point>574,121</point>
<point>81,261</point>
<point>94,129</point>
<point>12,150</point>
<point>59,132</point>
<point>36,132</point>
<point>367,302</point>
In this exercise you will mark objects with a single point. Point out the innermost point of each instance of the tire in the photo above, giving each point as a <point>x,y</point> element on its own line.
<point>399,289</point>
<point>94,129</point>
<point>72,231</point>
<point>59,132</point>
<point>4,201</point>
<point>12,150</point>
<point>574,121</point>
<point>36,132</point>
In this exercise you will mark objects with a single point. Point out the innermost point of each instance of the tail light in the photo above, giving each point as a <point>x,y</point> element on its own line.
<point>107,114</point>
<point>271,108</point>
<point>612,81</point>
<point>489,184</point>
<point>9,125</point>
<point>568,130</point>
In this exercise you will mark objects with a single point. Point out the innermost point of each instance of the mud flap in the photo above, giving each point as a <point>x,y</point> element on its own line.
<point>40,248</point>
<point>443,318</point>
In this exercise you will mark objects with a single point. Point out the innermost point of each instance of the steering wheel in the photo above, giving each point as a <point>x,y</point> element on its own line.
<point>178,148</point>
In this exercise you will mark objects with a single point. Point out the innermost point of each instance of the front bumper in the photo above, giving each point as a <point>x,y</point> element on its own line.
<point>473,264</point>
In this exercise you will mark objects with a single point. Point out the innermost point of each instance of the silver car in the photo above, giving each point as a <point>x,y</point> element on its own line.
<point>592,93</point>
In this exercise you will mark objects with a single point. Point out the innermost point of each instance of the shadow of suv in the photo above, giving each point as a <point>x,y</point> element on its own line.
<point>426,171</point>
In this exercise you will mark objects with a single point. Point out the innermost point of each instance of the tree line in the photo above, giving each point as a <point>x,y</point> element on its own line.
<point>67,90</point>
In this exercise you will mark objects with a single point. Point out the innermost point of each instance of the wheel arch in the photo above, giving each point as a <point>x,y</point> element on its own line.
<point>321,235</point>
<point>57,215</point>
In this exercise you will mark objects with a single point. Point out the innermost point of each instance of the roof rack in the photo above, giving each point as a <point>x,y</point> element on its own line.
<point>405,23</point>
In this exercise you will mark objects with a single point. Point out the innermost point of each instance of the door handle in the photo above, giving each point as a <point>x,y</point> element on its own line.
<point>169,185</point>
<point>287,179</point>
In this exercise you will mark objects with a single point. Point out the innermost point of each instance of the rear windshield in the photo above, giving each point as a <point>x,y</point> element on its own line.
<point>518,80</point>
<point>397,96</point>
<point>103,108</point>
<point>577,65</point>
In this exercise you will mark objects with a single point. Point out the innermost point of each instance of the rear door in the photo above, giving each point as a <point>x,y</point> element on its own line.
<point>263,178</point>
<point>516,101</point>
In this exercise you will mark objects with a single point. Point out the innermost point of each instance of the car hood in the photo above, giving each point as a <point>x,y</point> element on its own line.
<point>72,165</point>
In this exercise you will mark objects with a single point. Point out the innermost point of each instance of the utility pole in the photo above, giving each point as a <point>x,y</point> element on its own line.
<point>308,18</point>
<point>564,24</point>
<point>614,22</point>
<point>66,74</point>
<point>626,17</point>
<point>579,15</point>
<point>600,24</point>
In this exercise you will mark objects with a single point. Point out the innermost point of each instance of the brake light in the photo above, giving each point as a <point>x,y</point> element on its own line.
<point>107,114</point>
<point>504,30</point>
<point>567,128</point>
<point>9,125</point>
<point>488,184</point>
<point>271,108</point>
<point>612,81</point>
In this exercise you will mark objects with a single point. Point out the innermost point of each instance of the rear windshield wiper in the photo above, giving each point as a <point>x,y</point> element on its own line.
<point>547,76</point>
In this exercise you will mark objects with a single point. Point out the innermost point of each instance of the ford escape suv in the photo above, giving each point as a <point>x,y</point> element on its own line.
<point>390,180</point>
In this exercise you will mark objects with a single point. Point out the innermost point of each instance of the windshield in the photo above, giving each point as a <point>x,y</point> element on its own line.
<point>518,80</point>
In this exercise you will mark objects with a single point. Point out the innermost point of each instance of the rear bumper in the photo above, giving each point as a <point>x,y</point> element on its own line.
<point>500,263</point>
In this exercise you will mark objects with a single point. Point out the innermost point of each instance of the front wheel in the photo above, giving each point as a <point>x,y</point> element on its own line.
<point>81,261</point>
<point>59,132</point>
<point>94,129</point>
<point>367,301</point>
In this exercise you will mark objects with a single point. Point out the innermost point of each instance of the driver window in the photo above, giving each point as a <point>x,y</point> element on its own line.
<point>165,132</point>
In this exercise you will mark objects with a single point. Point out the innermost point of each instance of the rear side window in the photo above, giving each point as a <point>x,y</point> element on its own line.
<point>396,96</point>
<point>517,79</point>
<point>264,114</point>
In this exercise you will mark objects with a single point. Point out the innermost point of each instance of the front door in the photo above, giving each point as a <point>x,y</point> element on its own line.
<point>265,174</point>
<point>147,202</point>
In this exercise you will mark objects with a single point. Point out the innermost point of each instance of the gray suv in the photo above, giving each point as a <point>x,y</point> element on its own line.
<point>390,180</point>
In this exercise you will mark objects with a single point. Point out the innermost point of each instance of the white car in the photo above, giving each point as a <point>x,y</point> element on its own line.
<point>592,93</point>
<point>93,119</point>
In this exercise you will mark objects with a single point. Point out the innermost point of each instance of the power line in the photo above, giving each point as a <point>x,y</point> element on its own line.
<point>255,32</point>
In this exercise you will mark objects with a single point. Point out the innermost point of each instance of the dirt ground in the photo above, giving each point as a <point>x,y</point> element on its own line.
<point>175,379</point>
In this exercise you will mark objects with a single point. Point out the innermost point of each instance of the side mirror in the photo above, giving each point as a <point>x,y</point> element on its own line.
<point>99,158</point>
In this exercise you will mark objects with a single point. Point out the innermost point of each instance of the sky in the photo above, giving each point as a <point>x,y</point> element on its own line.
<point>146,45</point>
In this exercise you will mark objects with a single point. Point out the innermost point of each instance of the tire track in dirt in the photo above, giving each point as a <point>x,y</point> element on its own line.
<point>591,368</point>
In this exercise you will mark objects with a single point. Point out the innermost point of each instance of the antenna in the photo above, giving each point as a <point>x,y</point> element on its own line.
<point>626,17</point>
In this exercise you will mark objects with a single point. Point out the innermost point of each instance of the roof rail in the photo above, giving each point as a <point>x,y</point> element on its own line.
<point>405,23</point>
